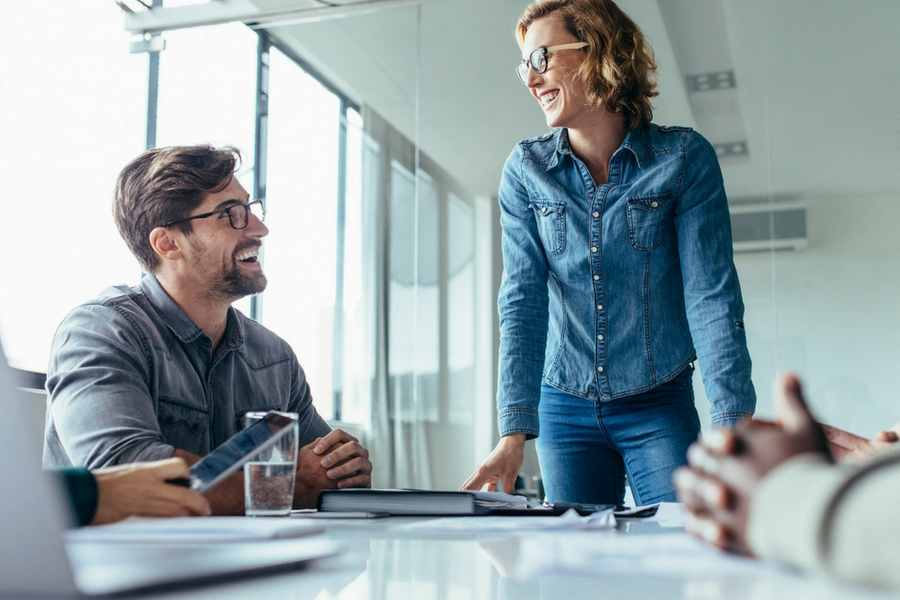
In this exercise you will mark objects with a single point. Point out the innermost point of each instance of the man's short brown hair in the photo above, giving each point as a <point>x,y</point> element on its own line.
<point>164,185</point>
<point>619,72</point>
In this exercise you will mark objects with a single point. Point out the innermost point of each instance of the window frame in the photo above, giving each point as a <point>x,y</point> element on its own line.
<point>266,43</point>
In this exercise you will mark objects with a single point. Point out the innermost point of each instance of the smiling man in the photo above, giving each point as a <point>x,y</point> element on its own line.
<point>169,367</point>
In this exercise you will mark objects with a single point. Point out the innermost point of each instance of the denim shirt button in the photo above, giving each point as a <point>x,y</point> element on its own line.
<point>600,337</point>
<point>599,369</point>
<point>544,210</point>
<point>654,204</point>
<point>599,307</point>
<point>596,277</point>
<point>594,249</point>
<point>596,214</point>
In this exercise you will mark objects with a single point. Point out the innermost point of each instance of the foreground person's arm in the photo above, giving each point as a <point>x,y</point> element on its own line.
<point>771,490</point>
<point>139,489</point>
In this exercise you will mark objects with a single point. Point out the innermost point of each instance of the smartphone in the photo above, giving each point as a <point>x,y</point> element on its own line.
<point>241,447</point>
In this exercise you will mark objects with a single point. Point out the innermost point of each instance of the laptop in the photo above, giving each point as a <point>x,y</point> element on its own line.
<point>34,515</point>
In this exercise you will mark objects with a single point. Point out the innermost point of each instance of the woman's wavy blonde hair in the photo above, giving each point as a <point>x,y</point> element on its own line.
<point>620,71</point>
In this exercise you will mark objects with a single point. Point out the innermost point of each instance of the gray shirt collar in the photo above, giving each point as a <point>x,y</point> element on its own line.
<point>180,324</point>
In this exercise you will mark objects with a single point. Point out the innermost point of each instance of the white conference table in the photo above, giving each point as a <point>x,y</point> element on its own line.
<point>383,559</point>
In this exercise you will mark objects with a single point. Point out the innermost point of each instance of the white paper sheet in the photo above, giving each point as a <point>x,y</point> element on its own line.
<point>669,514</point>
<point>569,520</point>
<point>196,529</point>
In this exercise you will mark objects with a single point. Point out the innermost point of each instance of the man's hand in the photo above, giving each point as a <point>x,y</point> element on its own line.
<point>140,489</point>
<point>718,485</point>
<point>503,465</point>
<point>846,446</point>
<point>337,460</point>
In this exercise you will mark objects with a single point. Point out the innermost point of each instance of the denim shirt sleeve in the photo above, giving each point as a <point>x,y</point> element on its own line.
<point>100,403</point>
<point>523,306</point>
<point>712,293</point>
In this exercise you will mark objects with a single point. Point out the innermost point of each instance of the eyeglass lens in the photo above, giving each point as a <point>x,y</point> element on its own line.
<point>240,218</point>
<point>537,60</point>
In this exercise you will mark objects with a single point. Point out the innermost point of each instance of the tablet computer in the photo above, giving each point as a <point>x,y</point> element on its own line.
<point>240,448</point>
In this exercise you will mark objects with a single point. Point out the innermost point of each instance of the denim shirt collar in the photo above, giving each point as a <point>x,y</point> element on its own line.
<point>635,141</point>
<point>180,324</point>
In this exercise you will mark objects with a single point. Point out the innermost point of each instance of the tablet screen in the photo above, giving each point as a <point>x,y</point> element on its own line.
<point>231,456</point>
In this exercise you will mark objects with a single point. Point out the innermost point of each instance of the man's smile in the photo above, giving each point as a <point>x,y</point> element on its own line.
<point>248,256</point>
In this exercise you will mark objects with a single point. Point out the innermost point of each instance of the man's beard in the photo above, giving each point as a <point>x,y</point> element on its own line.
<point>236,285</point>
<point>229,284</point>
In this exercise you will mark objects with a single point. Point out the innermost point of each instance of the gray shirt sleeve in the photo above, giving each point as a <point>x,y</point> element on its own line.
<point>101,410</point>
<point>312,425</point>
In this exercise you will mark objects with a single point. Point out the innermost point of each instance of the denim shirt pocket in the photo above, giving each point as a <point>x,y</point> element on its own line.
<point>645,220</point>
<point>551,221</point>
<point>183,425</point>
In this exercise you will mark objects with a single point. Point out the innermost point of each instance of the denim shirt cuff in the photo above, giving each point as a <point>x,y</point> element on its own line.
<point>519,420</point>
<point>729,419</point>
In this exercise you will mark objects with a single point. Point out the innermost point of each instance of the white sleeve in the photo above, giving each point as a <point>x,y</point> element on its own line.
<point>832,519</point>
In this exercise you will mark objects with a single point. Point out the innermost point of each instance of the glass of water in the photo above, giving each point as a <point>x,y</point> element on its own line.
<point>269,475</point>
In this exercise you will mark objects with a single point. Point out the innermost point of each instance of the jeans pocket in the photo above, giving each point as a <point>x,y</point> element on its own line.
<point>645,220</point>
<point>551,221</point>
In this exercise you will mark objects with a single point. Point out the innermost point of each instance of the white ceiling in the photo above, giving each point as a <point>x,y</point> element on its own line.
<point>817,84</point>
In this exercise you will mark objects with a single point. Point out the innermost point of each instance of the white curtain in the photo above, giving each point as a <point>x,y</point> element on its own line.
<point>400,241</point>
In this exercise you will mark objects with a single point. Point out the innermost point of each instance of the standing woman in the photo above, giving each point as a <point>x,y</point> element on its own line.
<point>618,272</point>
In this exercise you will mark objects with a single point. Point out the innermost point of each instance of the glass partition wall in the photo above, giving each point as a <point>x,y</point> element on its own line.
<point>809,161</point>
<point>816,88</point>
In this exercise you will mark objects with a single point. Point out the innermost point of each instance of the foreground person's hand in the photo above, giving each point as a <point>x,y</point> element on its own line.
<point>717,487</point>
<point>846,446</point>
<point>140,489</point>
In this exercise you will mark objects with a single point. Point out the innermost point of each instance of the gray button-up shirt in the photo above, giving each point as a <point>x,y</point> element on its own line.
<point>132,378</point>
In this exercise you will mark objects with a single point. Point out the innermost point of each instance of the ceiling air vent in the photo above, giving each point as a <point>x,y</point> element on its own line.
<point>759,226</point>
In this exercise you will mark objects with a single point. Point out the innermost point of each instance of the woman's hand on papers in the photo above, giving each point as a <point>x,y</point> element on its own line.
<point>717,487</point>
<point>140,489</point>
<point>337,460</point>
<point>502,465</point>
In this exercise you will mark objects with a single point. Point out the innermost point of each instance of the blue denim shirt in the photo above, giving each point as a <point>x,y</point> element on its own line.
<point>607,291</point>
<point>132,378</point>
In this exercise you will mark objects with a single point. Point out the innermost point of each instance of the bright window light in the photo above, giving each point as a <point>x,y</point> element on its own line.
<point>73,114</point>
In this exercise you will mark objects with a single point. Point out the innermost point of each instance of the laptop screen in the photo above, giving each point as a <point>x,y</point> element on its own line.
<point>33,511</point>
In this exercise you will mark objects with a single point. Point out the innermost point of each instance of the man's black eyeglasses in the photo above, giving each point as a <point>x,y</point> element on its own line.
<point>238,214</point>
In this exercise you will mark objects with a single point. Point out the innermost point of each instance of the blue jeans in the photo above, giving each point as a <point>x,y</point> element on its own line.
<point>587,448</point>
